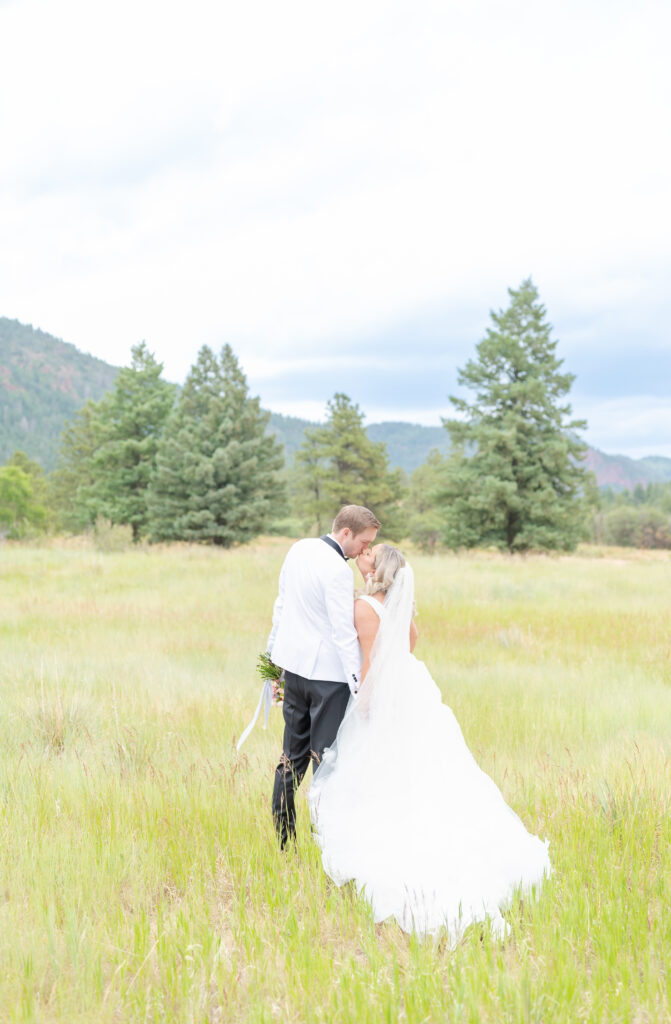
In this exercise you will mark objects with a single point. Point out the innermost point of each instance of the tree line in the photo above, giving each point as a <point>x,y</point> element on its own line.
<point>198,463</point>
<point>640,518</point>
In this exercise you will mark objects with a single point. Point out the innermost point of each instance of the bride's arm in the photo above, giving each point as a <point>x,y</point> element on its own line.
<point>366,623</point>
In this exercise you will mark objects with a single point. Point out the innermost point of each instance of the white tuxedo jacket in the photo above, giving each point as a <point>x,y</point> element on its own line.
<point>313,630</point>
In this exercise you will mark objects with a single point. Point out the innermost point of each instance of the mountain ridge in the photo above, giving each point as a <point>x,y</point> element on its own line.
<point>44,380</point>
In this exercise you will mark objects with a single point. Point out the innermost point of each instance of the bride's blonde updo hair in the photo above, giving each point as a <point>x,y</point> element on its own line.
<point>388,560</point>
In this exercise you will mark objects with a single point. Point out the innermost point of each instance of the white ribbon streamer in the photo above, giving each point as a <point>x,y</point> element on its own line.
<point>267,698</point>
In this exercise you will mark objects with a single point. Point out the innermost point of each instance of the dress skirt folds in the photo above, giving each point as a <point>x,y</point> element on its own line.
<point>400,806</point>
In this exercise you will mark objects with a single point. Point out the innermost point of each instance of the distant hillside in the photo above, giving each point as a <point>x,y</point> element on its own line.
<point>659,466</point>
<point>289,430</point>
<point>43,381</point>
<point>622,473</point>
<point>408,444</point>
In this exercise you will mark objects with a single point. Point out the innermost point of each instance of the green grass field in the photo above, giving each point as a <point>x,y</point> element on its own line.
<point>139,876</point>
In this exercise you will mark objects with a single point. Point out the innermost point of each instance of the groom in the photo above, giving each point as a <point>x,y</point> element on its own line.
<point>313,639</point>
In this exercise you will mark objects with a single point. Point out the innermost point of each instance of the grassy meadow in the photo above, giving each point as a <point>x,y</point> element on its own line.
<point>139,875</point>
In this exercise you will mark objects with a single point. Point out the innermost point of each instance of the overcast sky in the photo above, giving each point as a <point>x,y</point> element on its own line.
<point>343,191</point>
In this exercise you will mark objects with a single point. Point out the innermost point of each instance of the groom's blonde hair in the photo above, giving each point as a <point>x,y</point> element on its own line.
<point>356,518</point>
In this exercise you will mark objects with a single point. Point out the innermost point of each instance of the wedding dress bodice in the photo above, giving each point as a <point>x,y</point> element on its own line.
<point>378,606</point>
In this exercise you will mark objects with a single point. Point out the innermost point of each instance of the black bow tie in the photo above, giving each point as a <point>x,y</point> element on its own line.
<point>336,547</point>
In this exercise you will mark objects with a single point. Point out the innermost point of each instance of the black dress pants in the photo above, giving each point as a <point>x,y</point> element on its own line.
<point>313,711</point>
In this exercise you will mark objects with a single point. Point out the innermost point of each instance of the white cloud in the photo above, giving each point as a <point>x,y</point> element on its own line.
<point>305,409</point>
<point>295,179</point>
<point>316,412</point>
<point>635,425</point>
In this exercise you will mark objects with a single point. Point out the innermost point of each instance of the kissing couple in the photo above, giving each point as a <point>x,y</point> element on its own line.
<point>398,803</point>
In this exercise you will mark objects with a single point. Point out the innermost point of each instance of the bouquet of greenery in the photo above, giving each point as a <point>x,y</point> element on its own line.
<point>272,673</point>
<point>272,692</point>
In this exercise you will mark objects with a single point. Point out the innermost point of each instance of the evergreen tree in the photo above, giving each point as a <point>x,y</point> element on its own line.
<point>72,486</point>
<point>108,450</point>
<point>340,465</point>
<point>132,417</point>
<point>516,478</point>
<point>217,470</point>
<point>425,518</point>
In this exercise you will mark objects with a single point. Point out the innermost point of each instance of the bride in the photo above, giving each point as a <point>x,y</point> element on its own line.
<point>399,804</point>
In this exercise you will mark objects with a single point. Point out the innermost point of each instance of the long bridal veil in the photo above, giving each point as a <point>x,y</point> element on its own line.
<point>400,806</point>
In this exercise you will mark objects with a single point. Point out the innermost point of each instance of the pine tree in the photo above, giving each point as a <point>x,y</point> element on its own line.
<point>72,486</point>
<point>340,465</point>
<point>425,518</point>
<point>132,417</point>
<point>108,450</point>
<point>515,477</point>
<point>217,470</point>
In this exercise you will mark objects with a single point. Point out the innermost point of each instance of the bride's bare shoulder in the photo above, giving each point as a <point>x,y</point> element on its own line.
<point>363,612</point>
<point>366,623</point>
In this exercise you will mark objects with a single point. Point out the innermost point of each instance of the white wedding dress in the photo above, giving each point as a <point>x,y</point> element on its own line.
<point>400,806</point>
